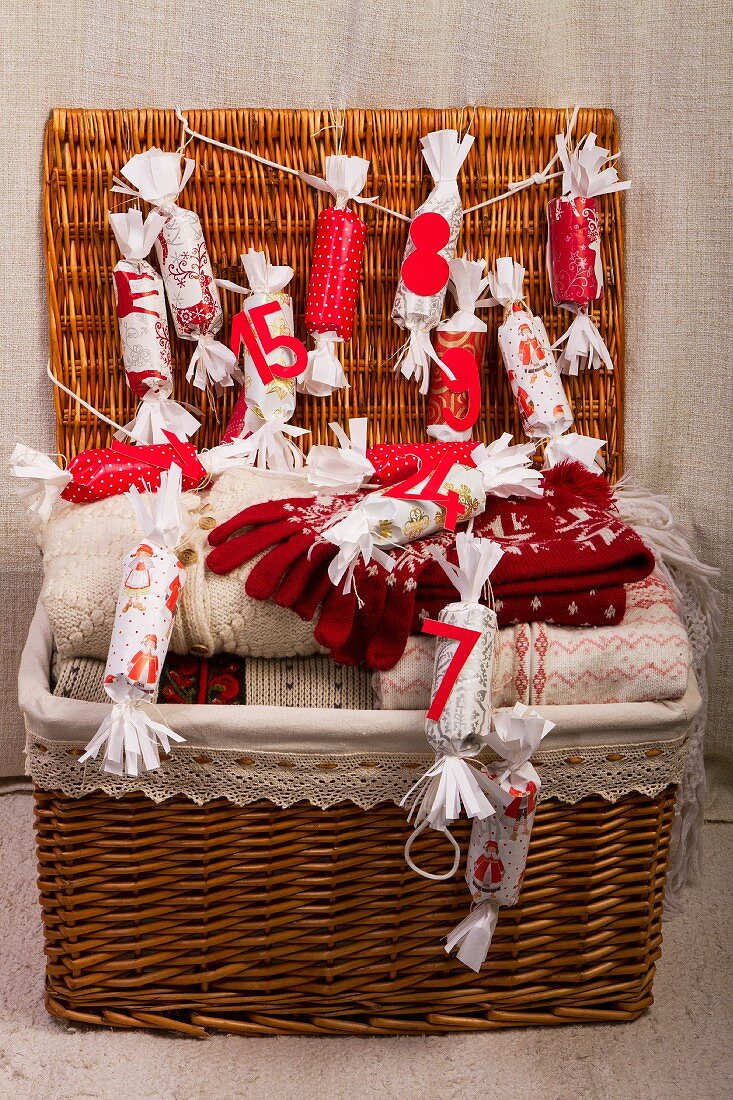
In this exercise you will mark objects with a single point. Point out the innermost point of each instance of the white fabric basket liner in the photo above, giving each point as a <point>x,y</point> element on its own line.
<point>327,756</point>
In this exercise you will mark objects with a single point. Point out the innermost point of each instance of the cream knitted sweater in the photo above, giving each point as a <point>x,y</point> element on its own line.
<point>83,547</point>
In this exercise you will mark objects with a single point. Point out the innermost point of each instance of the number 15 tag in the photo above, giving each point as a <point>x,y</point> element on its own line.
<point>251,328</point>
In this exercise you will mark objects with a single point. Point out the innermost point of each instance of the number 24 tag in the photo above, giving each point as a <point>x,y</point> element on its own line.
<point>412,488</point>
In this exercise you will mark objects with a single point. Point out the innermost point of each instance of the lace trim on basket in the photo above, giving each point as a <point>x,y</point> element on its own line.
<point>202,774</point>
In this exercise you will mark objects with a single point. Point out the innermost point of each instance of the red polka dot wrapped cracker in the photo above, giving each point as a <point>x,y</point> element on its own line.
<point>394,462</point>
<point>333,286</point>
<point>111,471</point>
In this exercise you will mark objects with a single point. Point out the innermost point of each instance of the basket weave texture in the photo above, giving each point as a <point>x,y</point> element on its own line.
<point>191,918</point>
<point>260,921</point>
<point>243,204</point>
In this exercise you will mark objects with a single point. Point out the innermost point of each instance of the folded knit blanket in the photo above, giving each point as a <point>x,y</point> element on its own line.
<point>83,548</point>
<point>644,658</point>
<point>567,557</point>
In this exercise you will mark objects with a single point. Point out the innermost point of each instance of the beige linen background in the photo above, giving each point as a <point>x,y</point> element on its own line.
<point>664,68</point>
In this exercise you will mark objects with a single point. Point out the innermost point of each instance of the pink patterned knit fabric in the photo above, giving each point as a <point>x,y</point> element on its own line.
<point>646,657</point>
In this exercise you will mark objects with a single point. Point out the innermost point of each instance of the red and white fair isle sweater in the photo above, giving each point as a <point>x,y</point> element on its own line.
<point>567,559</point>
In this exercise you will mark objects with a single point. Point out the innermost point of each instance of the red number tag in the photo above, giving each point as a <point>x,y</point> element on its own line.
<point>425,271</point>
<point>466,641</point>
<point>251,328</point>
<point>410,489</point>
<point>462,376</point>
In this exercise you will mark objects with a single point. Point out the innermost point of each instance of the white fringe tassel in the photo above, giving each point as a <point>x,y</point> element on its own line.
<point>651,516</point>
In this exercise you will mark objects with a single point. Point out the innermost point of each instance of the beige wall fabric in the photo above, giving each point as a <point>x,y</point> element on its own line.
<point>664,68</point>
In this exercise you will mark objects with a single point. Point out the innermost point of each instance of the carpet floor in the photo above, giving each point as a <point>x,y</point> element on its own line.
<point>680,1049</point>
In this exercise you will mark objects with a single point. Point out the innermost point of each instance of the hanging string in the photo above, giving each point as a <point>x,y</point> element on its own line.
<point>278,167</point>
<point>536,177</point>
<point>85,404</point>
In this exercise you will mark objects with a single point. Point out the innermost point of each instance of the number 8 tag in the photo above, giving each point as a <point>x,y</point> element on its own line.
<point>425,271</point>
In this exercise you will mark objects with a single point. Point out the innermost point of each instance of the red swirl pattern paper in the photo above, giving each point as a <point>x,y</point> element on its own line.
<point>440,397</point>
<point>576,273</point>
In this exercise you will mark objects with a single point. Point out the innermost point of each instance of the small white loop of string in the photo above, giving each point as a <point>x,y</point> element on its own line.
<point>427,874</point>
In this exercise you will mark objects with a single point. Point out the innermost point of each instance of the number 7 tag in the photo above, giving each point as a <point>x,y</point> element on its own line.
<point>466,639</point>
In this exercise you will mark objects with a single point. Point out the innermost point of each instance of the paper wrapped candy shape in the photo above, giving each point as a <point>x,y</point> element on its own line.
<point>497,853</point>
<point>143,325</point>
<point>460,344</point>
<point>333,286</point>
<point>394,462</point>
<point>111,471</point>
<point>381,521</point>
<point>158,178</point>
<point>431,245</point>
<point>528,359</point>
<point>574,262</point>
<point>459,717</point>
<point>572,447</point>
<point>345,468</point>
<point>152,581</point>
<point>265,403</point>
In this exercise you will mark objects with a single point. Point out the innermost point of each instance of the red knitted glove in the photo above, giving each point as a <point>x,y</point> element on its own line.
<point>271,524</point>
<point>371,623</point>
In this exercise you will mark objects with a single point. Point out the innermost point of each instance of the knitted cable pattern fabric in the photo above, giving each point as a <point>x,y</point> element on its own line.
<point>83,548</point>
<point>567,558</point>
<point>227,680</point>
<point>569,548</point>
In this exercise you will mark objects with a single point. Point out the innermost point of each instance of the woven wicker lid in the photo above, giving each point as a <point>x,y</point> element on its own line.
<point>243,204</point>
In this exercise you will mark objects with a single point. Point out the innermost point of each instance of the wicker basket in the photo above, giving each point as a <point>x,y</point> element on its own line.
<point>260,921</point>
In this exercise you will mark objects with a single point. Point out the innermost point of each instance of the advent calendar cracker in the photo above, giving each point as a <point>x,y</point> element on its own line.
<point>333,286</point>
<point>574,262</point>
<point>528,359</point>
<point>143,325</point>
<point>384,519</point>
<point>152,580</point>
<point>497,854</point>
<point>157,177</point>
<point>266,405</point>
<point>459,716</point>
<point>431,245</point>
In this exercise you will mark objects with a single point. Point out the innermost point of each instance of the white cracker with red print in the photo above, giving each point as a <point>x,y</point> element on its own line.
<point>151,584</point>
